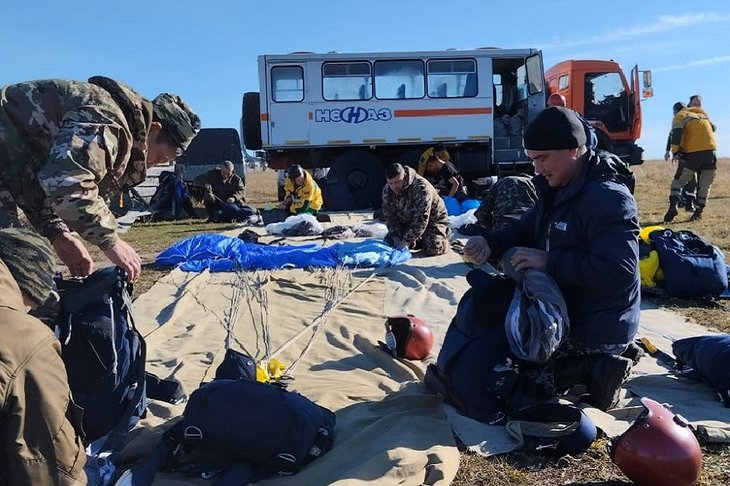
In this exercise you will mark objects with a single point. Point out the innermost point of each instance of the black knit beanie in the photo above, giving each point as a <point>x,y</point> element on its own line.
<point>555,128</point>
<point>30,260</point>
<point>295,171</point>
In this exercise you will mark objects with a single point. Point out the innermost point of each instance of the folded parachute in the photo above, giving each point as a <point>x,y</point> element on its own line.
<point>219,253</point>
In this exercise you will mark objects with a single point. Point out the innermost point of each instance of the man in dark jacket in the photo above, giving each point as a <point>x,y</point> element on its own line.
<point>222,186</point>
<point>583,231</point>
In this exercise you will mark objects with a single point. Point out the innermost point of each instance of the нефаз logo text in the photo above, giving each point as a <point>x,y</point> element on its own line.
<point>352,114</point>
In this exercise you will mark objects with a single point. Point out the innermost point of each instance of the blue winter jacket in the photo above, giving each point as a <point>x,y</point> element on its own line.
<point>590,230</point>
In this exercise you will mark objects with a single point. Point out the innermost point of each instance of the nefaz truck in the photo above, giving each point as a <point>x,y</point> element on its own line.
<point>357,113</point>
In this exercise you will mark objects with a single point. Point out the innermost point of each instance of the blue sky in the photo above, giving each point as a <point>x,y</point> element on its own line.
<point>206,50</point>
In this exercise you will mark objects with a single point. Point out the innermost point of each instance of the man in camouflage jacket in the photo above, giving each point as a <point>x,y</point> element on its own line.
<point>415,214</point>
<point>508,199</point>
<point>66,146</point>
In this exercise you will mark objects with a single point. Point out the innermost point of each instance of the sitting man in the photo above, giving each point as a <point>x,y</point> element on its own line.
<point>583,231</point>
<point>301,192</point>
<point>507,200</point>
<point>414,213</point>
<point>40,443</point>
<point>445,178</point>
<point>224,192</point>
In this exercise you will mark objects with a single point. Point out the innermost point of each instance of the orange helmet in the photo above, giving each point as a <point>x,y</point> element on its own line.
<point>658,448</point>
<point>408,337</point>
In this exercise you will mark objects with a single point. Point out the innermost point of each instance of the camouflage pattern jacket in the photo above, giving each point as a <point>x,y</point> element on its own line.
<point>38,443</point>
<point>506,202</point>
<point>223,189</point>
<point>415,210</point>
<point>66,146</point>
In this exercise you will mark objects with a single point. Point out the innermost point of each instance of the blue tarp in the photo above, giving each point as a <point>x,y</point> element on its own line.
<point>219,253</point>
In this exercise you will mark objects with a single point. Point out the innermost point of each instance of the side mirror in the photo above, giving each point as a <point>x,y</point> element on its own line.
<point>647,79</point>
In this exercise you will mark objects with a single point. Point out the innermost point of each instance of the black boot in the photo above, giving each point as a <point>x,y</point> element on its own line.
<point>689,204</point>
<point>672,211</point>
<point>697,215</point>
<point>603,375</point>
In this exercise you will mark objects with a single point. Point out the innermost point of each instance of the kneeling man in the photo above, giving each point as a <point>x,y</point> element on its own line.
<point>414,213</point>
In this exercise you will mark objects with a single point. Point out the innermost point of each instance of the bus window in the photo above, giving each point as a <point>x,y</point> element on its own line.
<point>287,83</point>
<point>399,80</point>
<point>452,78</point>
<point>346,81</point>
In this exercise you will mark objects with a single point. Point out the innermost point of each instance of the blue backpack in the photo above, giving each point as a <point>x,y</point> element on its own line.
<point>705,358</point>
<point>104,356</point>
<point>241,430</point>
<point>693,267</point>
<point>472,371</point>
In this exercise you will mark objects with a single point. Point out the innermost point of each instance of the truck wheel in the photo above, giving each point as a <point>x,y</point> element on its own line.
<point>355,181</point>
<point>251,121</point>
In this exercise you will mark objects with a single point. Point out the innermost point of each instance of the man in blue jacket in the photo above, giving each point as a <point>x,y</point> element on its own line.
<point>583,231</point>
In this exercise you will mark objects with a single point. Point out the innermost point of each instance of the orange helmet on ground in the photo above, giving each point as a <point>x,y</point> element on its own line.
<point>658,449</point>
<point>408,337</point>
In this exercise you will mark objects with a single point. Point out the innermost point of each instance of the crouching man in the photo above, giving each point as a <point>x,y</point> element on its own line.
<point>414,213</point>
<point>583,231</point>
<point>40,443</point>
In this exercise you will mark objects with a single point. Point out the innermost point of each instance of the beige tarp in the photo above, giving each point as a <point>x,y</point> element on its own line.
<point>390,430</point>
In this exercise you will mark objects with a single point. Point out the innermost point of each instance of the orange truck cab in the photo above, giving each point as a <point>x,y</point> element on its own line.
<point>612,104</point>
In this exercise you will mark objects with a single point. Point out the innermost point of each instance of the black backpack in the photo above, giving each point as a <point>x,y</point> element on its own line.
<point>473,371</point>
<point>244,430</point>
<point>693,267</point>
<point>104,354</point>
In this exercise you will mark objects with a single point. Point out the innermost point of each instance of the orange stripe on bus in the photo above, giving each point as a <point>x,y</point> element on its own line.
<point>442,112</point>
<point>264,117</point>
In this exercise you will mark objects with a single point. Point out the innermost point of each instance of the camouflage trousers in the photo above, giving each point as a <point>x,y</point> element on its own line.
<point>435,243</point>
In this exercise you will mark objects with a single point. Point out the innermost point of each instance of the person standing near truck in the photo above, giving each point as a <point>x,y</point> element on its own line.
<point>689,192</point>
<point>693,143</point>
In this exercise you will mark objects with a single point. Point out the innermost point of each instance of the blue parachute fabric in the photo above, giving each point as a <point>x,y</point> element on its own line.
<point>369,253</point>
<point>219,253</point>
<point>454,207</point>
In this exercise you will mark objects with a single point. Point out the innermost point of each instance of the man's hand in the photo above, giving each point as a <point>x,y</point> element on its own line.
<point>399,244</point>
<point>74,254</point>
<point>477,250</point>
<point>126,258</point>
<point>525,258</point>
<point>667,156</point>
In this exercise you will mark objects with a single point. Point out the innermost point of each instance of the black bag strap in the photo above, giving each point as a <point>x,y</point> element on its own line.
<point>116,439</point>
<point>577,441</point>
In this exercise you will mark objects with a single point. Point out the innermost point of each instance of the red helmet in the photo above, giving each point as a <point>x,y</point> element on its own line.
<point>659,448</point>
<point>408,337</point>
<point>556,99</point>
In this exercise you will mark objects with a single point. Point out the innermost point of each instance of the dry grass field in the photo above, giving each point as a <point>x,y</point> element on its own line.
<point>524,467</point>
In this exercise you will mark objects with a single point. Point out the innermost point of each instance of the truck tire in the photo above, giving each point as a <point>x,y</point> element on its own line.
<point>251,121</point>
<point>355,181</point>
